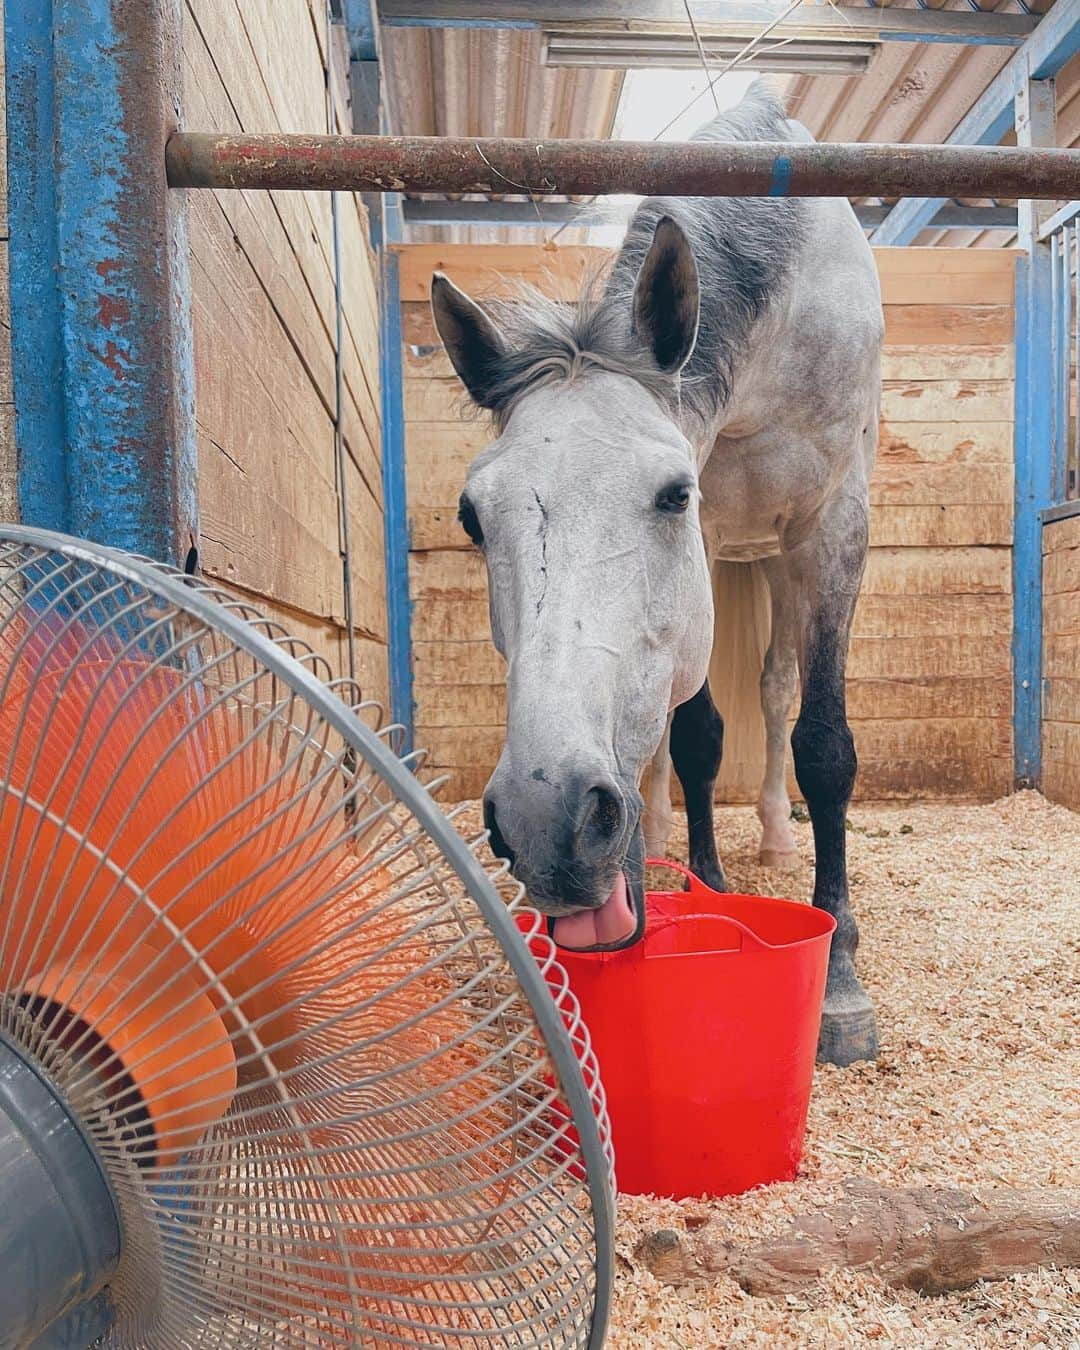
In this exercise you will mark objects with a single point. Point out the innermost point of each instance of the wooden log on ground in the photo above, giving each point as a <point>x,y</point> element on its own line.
<point>925,1239</point>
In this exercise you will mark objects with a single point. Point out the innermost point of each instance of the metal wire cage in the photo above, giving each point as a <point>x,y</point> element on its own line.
<point>290,1069</point>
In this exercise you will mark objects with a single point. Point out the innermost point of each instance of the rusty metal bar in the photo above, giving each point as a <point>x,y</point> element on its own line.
<point>601,168</point>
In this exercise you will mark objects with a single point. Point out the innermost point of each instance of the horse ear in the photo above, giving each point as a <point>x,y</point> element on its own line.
<point>667,297</point>
<point>474,345</point>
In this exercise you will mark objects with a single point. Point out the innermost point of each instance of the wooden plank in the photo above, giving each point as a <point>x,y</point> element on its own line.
<point>932,525</point>
<point>242,52</point>
<point>259,231</point>
<point>1061,699</point>
<point>249,540</point>
<point>424,355</point>
<point>945,442</point>
<point>1061,783</point>
<point>1061,570</point>
<point>451,620</point>
<point>897,616</point>
<point>1061,741</point>
<point>899,781</point>
<point>977,777</point>
<point>455,575</point>
<point>993,362</point>
<point>915,324</point>
<point>951,276</point>
<point>947,400</point>
<point>447,576</point>
<point>937,571</point>
<point>367,554</point>
<point>436,528</point>
<point>921,332</point>
<point>1061,654</point>
<point>868,700</point>
<point>267,492</point>
<point>889,616</point>
<point>958,655</point>
<point>950,750</point>
<point>1061,612</point>
<point>438,455</point>
<point>941,485</point>
<point>890,526</point>
<point>1061,534</point>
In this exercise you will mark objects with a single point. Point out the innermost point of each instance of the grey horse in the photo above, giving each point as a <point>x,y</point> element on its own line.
<point>717,399</point>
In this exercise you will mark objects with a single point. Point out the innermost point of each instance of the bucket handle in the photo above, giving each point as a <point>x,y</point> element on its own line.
<point>747,935</point>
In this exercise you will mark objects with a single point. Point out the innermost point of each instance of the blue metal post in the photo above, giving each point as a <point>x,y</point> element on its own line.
<point>1033,441</point>
<point>100,309</point>
<point>395,502</point>
<point>1036,400</point>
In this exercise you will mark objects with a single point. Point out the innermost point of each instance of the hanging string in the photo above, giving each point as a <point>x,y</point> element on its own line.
<point>711,81</point>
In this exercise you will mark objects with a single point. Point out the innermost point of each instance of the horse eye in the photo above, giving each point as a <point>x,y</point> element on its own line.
<point>674,499</point>
<point>469,523</point>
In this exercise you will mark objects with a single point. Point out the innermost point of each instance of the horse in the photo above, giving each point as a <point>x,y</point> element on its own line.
<point>714,402</point>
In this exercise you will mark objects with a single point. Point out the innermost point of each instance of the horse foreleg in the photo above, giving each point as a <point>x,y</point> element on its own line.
<point>697,745</point>
<point>657,818</point>
<point>828,569</point>
<point>778,680</point>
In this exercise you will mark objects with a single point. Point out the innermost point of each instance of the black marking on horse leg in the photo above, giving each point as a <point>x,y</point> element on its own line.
<point>697,746</point>
<point>825,766</point>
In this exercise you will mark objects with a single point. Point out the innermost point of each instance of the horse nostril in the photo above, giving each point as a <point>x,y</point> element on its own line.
<point>605,816</point>
<point>499,846</point>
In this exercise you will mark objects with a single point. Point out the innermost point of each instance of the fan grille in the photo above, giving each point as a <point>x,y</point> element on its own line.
<point>334,1099</point>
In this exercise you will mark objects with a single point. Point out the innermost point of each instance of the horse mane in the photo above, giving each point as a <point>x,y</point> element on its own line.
<point>744,248</point>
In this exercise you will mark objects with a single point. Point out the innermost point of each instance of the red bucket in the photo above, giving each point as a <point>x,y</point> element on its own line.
<point>706,1034</point>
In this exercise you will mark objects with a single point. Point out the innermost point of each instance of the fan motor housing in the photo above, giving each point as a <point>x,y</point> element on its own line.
<point>59,1224</point>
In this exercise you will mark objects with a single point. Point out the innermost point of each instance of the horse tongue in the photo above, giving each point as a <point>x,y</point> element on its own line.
<point>614,921</point>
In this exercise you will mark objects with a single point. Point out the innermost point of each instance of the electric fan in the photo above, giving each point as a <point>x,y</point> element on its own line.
<point>277,1066</point>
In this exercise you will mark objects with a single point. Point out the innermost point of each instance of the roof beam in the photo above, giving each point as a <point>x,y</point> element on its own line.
<point>539,215</point>
<point>735,18</point>
<point>1056,39</point>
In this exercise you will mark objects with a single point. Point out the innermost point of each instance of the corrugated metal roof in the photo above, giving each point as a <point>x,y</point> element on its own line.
<point>492,82</point>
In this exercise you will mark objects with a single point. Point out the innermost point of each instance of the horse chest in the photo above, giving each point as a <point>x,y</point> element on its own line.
<point>754,487</point>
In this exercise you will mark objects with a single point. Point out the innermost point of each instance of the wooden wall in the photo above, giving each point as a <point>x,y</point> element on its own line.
<point>930,681</point>
<point>1061,662</point>
<point>264,318</point>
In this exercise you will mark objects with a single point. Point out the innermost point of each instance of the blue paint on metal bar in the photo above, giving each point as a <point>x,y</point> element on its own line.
<point>360,24</point>
<point>395,501</point>
<point>952,39</point>
<point>521,24</point>
<point>882,35</point>
<point>781,177</point>
<point>1046,51</point>
<point>1035,403</point>
<point>36,354</point>
<point>101,316</point>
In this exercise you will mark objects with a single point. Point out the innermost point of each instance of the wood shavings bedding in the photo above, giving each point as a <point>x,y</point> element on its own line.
<point>970,923</point>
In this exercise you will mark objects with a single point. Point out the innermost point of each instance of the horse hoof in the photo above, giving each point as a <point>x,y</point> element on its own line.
<point>782,860</point>
<point>848,1029</point>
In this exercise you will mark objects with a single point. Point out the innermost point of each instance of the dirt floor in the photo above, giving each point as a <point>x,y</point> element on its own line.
<point>970,921</point>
